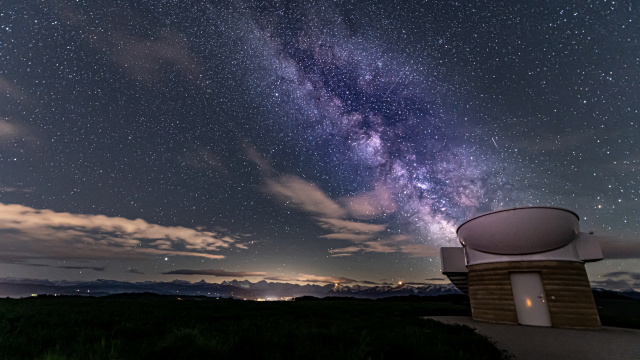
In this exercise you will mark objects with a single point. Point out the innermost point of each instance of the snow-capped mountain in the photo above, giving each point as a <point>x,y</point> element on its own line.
<point>18,287</point>
<point>237,289</point>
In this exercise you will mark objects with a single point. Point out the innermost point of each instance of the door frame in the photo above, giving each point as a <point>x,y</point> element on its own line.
<point>521,309</point>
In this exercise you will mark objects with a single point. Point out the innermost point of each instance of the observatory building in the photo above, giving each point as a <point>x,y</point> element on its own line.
<point>525,266</point>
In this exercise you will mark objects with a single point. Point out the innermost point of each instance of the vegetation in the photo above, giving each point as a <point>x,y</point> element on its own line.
<point>162,327</point>
<point>618,311</point>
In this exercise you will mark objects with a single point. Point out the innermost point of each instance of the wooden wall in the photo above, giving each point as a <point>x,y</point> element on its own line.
<point>565,283</point>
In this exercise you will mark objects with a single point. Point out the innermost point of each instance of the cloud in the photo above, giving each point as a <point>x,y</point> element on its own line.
<point>254,155</point>
<point>615,284</point>
<point>367,282</point>
<point>10,130</point>
<point>94,268</point>
<point>347,236</point>
<point>15,136</point>
<point>339,225</point>
<point>134,271</point>
<point>392,244</point>
<point>623,274</point>
<point>372,238</point>
<point>298,193</point>
<point>371,204</point>
<point>4,188</point>
<point>420,250</point>
<point>313,279</point>
<point>618,280</point>
<point>23,261</point>
<point>293,191</point>
<point>11,90</point>
<point>147,57</point>
<point>306,196</point>
<point>378,246</point>
<point>336,216</point>
<point>215,272</point>
<point>303,195</point>
<point>29,233</point>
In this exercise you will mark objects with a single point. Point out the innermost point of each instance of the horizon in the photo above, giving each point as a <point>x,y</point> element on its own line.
<point>242,289</point>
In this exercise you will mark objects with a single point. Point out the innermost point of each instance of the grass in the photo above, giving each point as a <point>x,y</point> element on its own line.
<point>111,328</point>
<point>162,327</point>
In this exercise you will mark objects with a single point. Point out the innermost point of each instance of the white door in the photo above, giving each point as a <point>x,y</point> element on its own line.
<point>531,303</point>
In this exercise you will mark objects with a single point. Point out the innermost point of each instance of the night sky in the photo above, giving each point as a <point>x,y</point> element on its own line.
<point>310,142</point>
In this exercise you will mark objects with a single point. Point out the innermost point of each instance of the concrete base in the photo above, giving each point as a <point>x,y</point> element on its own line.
<point>534,343</point>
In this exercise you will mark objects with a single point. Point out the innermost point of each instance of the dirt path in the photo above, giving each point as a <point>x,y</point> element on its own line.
<point>531,342</point>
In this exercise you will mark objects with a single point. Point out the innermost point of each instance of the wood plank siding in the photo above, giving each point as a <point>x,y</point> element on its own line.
<point>565,283</point>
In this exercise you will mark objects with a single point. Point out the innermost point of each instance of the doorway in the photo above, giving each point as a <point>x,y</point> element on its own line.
<point>530,300</point>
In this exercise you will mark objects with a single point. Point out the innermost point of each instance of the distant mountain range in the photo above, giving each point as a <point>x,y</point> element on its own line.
<point>18,287</point>
<point>626,293</point>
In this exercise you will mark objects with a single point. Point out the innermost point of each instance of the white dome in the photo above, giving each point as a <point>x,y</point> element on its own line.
<point>520,230</point>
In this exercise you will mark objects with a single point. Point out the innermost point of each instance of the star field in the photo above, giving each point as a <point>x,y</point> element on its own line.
<point>337,140</point>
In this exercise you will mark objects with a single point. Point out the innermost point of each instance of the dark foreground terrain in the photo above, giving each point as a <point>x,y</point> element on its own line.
<point>161,327</point>
<point>616,310</point>
<point>146,326</point>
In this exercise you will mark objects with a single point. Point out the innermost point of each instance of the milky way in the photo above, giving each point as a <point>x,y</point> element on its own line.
<point>376,115</point>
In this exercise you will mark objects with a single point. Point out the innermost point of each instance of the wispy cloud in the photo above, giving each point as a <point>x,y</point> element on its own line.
<point>348,236</point>
<point>618,280</point>
<point>15,136</point>
<point>420,249</point>
<point>313,279</point>
<point>29,233</point>
<point>215,272</point>
<point>4,188</point>
<point>11,90</point>
<point>94,268</point>
<point>392,244</point>
<point>254,155</point>
<point>303,195</point>
<point>348,218</point>
<point>339,225</point>
<point>23,261</point>
<point>10,130</point>
<point>146,58</point>
<point>623,274</point>
<point>371,204</point>
<point>367,282</point>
